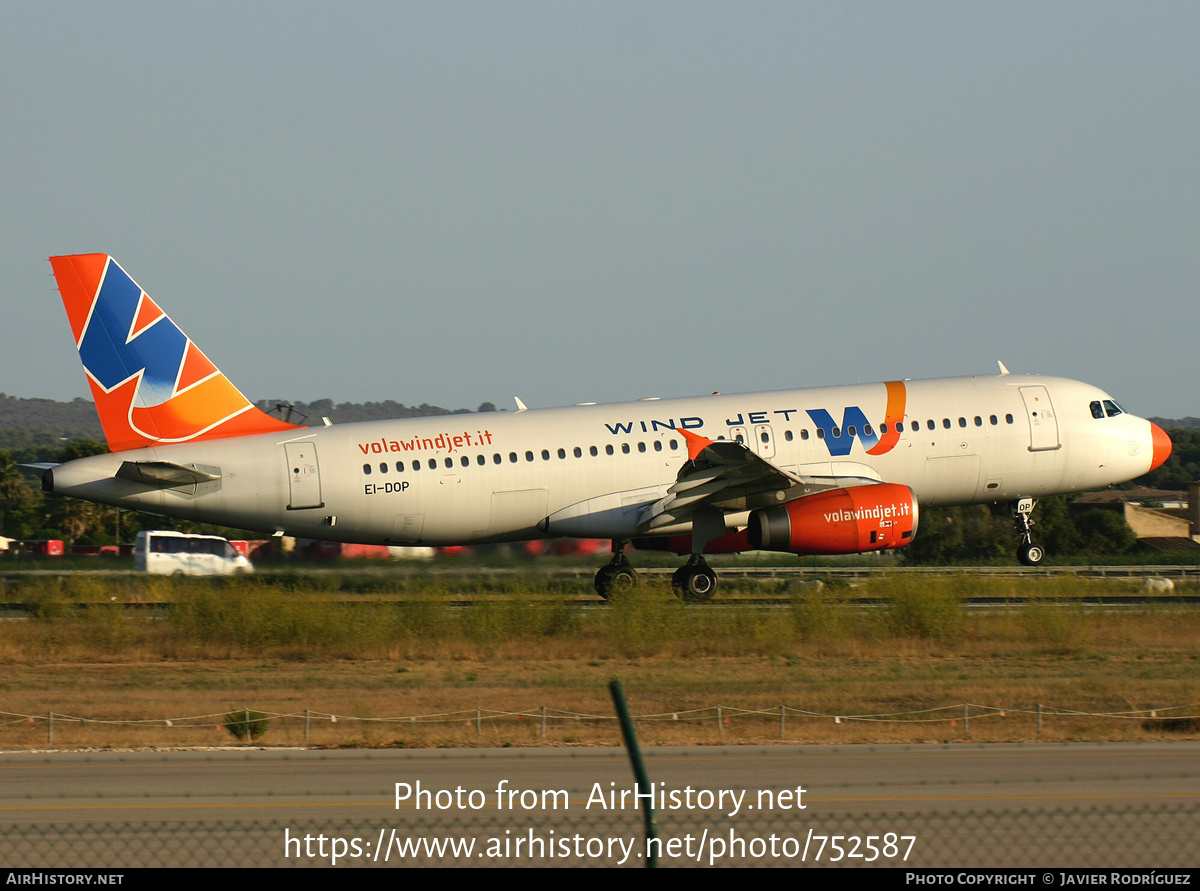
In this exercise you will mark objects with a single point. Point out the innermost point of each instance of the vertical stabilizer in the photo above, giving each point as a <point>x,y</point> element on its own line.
<point>151,384</point>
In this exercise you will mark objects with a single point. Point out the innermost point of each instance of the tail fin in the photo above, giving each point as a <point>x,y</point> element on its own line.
<point>150,382</point>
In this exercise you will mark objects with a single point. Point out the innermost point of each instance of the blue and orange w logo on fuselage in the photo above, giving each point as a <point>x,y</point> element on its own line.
<point>839,439</point>
<point>150,382</point>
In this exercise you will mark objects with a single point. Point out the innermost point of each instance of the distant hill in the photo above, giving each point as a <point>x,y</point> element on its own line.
<point>38,424</point>
<point>29,423</point>
<point>311,413</point>
<point>1177,423</point>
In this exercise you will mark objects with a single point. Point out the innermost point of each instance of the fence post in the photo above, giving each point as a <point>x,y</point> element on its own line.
<point>781,721</point>
<point>720,728</point>
<point>306,722</point>
<point>478,722</point>
<point>50,729</point>
<point>543,722</point>
<point>639,769</point>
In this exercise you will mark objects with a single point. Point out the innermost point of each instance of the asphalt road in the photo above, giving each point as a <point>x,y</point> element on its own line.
<point>1104,805</point>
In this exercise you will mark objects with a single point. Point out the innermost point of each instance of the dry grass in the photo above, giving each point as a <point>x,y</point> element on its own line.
<point>284,649</point>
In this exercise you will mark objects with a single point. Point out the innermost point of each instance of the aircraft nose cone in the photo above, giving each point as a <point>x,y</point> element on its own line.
<point>1162,446</point>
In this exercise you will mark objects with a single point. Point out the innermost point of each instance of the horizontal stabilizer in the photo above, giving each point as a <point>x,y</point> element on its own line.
<point>163,474</point>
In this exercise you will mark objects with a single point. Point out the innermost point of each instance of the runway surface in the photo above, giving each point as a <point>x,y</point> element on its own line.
<point>1118,804</point>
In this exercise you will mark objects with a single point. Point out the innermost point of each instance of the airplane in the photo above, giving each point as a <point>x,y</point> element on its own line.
<point>832,470</point>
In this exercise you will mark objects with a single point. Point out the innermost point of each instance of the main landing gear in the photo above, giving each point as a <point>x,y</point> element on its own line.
<point>1028,553</point>
<point>695,582</point>
<point>618,575</point>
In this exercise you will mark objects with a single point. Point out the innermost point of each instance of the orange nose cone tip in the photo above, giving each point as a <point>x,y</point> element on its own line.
<point>1162,446</point>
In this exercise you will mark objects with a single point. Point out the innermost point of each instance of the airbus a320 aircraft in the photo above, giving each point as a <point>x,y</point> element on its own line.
<point>834,470</point>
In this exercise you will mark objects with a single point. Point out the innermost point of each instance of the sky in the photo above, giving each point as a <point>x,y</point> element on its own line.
<point>455,203</point>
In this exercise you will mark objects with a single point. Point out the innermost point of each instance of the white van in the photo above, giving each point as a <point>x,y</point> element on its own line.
<point>178,553</point>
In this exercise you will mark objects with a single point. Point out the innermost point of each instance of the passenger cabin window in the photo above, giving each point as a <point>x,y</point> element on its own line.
<point>367,469</point>
<point>658,445</point>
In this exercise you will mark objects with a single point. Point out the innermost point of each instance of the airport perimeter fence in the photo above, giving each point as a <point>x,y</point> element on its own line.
<point>1158,837</point>
<point>724,722</point>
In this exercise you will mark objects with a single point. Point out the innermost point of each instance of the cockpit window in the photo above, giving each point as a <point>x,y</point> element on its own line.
<point>1111,408</point>
<point>1097,409</point>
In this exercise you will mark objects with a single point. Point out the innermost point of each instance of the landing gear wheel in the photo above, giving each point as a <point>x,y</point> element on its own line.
<point>615,579</point>
<point>695,583</point>
<point>1030,554</point>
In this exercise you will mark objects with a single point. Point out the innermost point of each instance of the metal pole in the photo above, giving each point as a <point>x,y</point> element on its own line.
<point>639,770</point>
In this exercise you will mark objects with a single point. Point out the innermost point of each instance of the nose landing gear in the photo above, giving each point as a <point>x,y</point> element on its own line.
<point>1028,553</point>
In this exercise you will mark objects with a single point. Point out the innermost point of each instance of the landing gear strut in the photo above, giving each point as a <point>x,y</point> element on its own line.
<point>1028,553</point>
<point>618,575</point>
<point>695,582</point>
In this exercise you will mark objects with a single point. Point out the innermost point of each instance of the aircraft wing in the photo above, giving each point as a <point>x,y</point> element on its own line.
<point>728,476</point>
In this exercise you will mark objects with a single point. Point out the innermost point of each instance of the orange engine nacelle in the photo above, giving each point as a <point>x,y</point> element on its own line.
<point>874,517</point>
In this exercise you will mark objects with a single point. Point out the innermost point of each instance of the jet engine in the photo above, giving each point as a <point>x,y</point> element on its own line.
<point>875,517</point>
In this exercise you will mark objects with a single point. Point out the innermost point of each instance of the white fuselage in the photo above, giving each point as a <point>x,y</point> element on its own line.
<point>589,470</point>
